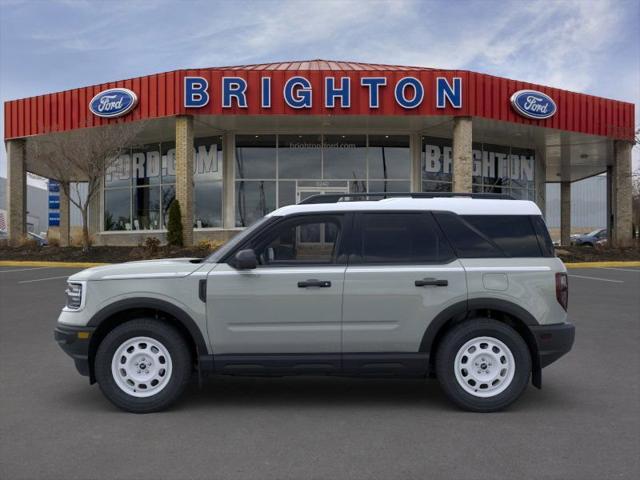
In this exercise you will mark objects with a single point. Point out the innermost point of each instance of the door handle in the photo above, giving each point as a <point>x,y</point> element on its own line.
<point>314,283</point>
<point>431,282</point>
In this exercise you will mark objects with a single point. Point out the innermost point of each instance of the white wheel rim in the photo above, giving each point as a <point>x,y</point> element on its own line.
<point>141,367</point>
<point>484,367</point>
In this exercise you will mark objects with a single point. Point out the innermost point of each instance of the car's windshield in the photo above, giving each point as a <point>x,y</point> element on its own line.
<point>239,238</point>
<point>594,233</point>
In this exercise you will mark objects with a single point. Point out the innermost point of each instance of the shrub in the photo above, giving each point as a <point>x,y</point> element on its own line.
<point>209,245</point>
<point>54,242</point>
<point>152,245</point>
<point>174,226</point>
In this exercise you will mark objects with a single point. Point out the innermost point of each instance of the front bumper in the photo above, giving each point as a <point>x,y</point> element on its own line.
<point>553,341</point>
<point>75,343</point>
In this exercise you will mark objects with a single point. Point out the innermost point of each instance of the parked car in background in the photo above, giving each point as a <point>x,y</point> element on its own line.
<point>590,239</point>
<point>40,239</point>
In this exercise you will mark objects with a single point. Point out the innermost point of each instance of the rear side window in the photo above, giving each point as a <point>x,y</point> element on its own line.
<point>401,238</point>
<point>513,234</point>
<point>467,240</point>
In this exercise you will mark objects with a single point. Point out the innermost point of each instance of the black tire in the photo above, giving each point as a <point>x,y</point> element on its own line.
<point>456,338</point>
<point>173,342</point>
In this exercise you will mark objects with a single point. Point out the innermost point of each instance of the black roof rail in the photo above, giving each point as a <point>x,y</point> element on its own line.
<point>350,197</point>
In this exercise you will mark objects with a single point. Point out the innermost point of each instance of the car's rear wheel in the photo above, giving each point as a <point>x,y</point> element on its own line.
<point>143,365</point>
<point>483,365</point>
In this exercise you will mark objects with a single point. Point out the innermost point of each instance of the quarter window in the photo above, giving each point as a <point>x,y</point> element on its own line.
<point>402,238</point>
<point>514,234</point>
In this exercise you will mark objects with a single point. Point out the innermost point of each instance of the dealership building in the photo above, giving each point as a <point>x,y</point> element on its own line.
<point>234,143</point>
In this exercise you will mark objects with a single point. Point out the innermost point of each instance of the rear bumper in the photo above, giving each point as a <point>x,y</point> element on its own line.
<point>553,341</point>
<point>75,343</point>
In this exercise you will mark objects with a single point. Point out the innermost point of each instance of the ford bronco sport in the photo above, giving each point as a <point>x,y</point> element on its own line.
<point>463,288</point>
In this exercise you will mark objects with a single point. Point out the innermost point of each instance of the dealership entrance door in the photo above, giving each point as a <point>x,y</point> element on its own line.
<point>306,192</point>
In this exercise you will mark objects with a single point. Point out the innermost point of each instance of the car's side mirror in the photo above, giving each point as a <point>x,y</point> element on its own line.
<point>245,260</point>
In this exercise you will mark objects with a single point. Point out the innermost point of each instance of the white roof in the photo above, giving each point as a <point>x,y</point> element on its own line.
<point>459,205</point>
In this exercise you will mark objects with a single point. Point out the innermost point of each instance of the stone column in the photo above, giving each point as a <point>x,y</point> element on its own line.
<point>184,174</point>
<point>16,191</point>
<point>565,213</point>
<point>65,215</point>
<point>621,234</point>
<point>540,182</point>
<point>462,154</point>
<point>228,180</point>
<point>415,147</point>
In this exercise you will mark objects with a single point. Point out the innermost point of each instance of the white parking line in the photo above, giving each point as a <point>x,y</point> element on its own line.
<point>598,278</point>
<point>43,279</point>
<point>621,269</point>
<point>23,269</point>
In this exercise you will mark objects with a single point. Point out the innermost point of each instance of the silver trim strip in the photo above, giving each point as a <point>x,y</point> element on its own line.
<point>130,276</point>
<point>508,269</point>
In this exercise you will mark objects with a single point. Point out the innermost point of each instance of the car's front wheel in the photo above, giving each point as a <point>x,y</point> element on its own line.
<point>483,365</point>
<point>143,365</point>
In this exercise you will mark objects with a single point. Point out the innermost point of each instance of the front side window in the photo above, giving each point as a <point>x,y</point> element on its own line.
<point>306,240</point>
<point>401,238</point>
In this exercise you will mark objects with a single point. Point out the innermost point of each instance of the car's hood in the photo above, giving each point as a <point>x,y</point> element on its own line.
<point>165,268</point>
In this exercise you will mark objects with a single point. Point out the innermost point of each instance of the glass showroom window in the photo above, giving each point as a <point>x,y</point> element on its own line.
<point>284,169</point>
<point>389,163</point>
<point>140,186</point>
<point>117,194</point>
<point>496,168</point>
<point>436,164</point>
<point>256,167</point>
<point>207,178</point>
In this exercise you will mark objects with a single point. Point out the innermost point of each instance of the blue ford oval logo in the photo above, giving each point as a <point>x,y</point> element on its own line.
<point>533,104</point>
<point>114,102</point>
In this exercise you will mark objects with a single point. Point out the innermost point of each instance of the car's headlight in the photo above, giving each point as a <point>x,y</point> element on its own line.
<point>75,295</point>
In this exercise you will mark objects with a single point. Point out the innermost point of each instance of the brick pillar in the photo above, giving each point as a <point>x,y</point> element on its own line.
<point>565,213</point>
<point>184,174</point>
<point>65,216</point>
<point>621,234</point>
<point>16,191</point>
<point>415,147</point>
<point>228,180</point>
<point>462,154</point>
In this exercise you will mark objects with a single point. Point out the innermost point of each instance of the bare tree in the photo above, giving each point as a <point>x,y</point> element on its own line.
<point>82,156</point>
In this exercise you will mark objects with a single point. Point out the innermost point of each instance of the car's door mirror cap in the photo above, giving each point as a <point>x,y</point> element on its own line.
<point>245,259</point>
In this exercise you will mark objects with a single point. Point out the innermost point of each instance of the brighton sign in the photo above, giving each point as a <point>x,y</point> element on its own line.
<point>533,104</point>
<point>298,93</point>
<point>113,103</point>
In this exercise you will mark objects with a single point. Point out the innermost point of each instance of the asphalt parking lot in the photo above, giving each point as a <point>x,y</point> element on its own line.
<point>583,424</point>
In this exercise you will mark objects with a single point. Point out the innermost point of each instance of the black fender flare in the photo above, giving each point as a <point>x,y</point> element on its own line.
<point>460,310</point>
<point>153,304</point>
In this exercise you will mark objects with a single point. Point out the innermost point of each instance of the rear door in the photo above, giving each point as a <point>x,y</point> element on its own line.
<point>402,274</point>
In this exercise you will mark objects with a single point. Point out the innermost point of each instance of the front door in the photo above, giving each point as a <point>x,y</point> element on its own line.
<point>292,302</point>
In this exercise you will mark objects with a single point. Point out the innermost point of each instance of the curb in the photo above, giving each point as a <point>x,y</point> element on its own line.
<point>29,263</point>
<point>602,264</point>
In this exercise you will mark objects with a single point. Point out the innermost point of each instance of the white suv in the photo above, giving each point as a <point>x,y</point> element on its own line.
<point>461,288</point>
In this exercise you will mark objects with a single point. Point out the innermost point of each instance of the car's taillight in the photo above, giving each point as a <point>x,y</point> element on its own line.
<point>562,289</point>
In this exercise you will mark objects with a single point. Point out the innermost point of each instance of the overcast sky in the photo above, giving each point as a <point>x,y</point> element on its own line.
<point>582,45</point>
